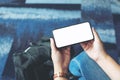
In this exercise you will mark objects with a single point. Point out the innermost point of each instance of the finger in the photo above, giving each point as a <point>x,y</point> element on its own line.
<point>96,36</point>
<point>87,44</point>
<point>84,43</point>
<point>65,48</point>
<point>67,51</point>
<point>52,44</point>
<point>68,48</point>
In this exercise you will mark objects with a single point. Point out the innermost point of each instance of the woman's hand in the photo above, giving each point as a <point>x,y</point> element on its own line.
<point>94,48</point>
<point>60,57</point>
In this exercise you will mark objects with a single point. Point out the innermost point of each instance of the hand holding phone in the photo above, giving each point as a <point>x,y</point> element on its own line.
<point>72,34</point>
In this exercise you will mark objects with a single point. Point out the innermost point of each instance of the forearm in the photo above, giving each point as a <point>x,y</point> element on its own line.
<point>110,67</point>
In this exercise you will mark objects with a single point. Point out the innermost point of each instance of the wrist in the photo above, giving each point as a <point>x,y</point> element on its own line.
<point>60,76</point>
<point>60,69</point>
<point>102,57</point>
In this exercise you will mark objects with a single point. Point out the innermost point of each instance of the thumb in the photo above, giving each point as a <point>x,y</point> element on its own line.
<point>52,44</point>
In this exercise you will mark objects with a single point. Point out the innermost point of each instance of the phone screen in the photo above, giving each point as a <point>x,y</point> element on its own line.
<point>72,34</point>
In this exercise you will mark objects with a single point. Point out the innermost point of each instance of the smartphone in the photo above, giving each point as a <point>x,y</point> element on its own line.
<point>72,34</point>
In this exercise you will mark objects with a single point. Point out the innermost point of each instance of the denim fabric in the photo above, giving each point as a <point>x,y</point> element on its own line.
<point>85,68</point>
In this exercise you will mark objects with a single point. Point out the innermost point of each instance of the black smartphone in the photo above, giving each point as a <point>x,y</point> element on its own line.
<point>73,34</point>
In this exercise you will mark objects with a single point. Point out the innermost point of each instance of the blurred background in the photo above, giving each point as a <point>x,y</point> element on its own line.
<point>24,21</point>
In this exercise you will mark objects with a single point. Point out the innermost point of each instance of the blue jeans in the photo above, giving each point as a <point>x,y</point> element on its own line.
<point>85,68</point>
